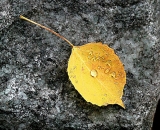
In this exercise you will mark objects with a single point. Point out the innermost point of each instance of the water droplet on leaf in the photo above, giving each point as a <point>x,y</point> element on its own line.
<point>109,63</point>
<point>94,73</point>
<point>106,71</point>
<point>91,53</point>
<point>113,74</point>
<point>107,68</point>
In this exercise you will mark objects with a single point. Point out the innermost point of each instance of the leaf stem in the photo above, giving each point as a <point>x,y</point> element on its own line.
<point>48,29</point>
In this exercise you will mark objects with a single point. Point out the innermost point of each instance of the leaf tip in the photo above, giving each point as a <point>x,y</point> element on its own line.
<point>121,104</point>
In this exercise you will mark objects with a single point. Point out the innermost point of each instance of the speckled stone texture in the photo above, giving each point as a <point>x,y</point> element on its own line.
<point>35,92</point>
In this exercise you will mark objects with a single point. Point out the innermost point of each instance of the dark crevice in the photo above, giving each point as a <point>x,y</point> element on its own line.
<point>156,124</point>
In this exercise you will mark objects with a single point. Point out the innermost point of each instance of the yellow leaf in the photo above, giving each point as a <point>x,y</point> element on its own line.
<point>95,71</point>
<point>97,74</point>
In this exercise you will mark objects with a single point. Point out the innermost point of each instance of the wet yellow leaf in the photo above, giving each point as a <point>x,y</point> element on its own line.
<point>95,71</point>
<point>97,74</point>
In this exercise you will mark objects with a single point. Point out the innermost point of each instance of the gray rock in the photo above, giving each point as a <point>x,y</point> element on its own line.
<point>35,92</point>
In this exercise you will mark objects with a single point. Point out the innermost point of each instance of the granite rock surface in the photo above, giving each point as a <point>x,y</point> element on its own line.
<point>35,92</point>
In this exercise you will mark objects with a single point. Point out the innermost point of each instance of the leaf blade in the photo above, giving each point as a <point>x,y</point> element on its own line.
<point>91,69</point>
